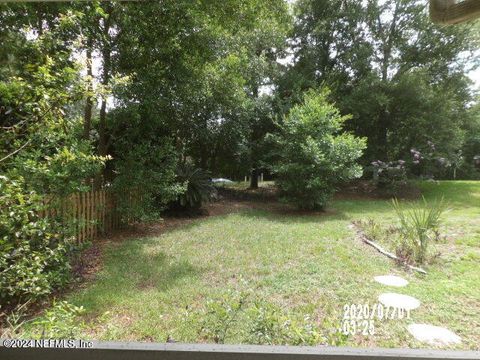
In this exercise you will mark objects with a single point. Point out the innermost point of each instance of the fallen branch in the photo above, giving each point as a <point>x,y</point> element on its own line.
<point>385,252</point>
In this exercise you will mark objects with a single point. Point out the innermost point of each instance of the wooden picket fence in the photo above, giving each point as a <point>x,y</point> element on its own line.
<point>90,214</point>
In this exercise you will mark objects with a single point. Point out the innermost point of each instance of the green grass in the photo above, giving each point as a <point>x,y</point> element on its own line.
<point>154,287</point>
<point>243,185</point>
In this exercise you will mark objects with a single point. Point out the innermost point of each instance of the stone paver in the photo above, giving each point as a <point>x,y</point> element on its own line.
<point>430,334</point>
<point>433,335</point>
<point>391,280</point>
<point>399,301</point>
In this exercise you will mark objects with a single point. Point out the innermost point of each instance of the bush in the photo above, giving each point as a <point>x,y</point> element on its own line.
<point>34,252</point>
<point>418,227</point>
<point>148,171</point>
<point>314,157</point>
<point>144,164</point>
<point>389,176</point>
<point>430,163</point>
<point>199,188</point>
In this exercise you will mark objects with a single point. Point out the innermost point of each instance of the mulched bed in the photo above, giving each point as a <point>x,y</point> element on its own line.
<point>87,263</point>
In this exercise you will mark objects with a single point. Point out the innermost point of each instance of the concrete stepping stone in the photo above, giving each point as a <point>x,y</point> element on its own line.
<point>391,280</point>
<point>399,301</point>
<point>433,335</point>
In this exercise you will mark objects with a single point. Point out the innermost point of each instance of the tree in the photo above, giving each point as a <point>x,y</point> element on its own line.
<point>470,168</point>
<point>42,151</point>
<point>198,73</point>
<point>314,155</point>
<point>262,47</point>
<point>367,53</point>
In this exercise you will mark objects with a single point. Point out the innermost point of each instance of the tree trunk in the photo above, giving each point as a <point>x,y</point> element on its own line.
<point>39,19</point>
<point>102,142</point>
<point>254,179</point>
<point>205,143</point>
<point>102,126</point>
<point>87,122</point>
<point>214,155</point>
<point>254,138</point>
<point>384,118</point>
<point>204,159</point>
<point>106,57</point>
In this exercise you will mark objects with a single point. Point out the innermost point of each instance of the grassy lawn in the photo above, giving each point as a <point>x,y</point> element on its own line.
<point>185,282</point>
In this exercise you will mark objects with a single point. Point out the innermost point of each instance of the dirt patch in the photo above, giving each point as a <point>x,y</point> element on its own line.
<point>87,264</point>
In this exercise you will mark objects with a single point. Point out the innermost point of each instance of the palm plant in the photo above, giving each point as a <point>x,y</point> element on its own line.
<point>199,187</point>
<point>418,227</point>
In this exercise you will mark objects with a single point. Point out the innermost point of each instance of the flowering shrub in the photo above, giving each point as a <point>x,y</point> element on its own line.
<point>389,175</point>
<point>428,163</point>
<point>431,163</point>
<point>416,155</point>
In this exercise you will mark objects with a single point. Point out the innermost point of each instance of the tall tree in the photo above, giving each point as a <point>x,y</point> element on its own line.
<point>198,72</point>
<point>368,52</point>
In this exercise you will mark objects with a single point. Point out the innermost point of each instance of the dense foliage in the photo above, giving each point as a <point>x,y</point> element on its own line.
<point>42,157</point>
<point>314,155</point>
<point>34,251</point>
<point>198,184</point>
<point>390,176</point>
<point>116,95</point>
<point>402,77</point>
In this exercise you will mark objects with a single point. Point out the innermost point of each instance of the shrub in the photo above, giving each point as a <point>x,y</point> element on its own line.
<point>314,156</point>
<point>373,230</point>
<point>199,188</point>
<point>431,163</point>
<point>390,176</point>
<point>266,323</point>
<point>148,171</point>
<point>60,321</point>
<point>34,252</point>
<point>418,227</point>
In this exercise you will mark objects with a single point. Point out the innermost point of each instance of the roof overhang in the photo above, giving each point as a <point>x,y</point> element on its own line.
<point>453,11</point>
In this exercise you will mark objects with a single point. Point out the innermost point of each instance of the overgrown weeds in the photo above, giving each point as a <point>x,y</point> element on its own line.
<point>266,323</point>
<point>61,321</point>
